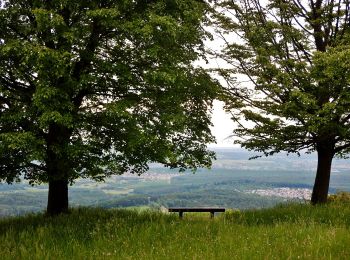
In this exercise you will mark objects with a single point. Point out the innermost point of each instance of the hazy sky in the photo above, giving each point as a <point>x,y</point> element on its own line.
<point>223,126</point>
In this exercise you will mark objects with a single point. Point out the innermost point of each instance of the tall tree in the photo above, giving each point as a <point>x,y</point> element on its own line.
<point>288,77</point>
<point>94,88</point>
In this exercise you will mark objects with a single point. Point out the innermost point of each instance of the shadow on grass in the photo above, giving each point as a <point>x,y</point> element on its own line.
<point>80,221</point>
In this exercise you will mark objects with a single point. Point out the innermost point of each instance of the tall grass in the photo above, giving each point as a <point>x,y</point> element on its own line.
<point>283,232</point>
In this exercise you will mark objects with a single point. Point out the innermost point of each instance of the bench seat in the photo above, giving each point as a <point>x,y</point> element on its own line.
<point>181,210</point>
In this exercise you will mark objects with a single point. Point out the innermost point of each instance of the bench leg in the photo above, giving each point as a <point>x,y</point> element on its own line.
<point>212,214</point>
<point>181,214</point>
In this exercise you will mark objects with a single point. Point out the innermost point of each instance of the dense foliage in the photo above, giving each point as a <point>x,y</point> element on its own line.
<point>94,88</point>
<point>288,77</point>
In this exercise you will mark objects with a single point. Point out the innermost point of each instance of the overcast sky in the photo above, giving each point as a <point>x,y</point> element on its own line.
<point>223,126</point>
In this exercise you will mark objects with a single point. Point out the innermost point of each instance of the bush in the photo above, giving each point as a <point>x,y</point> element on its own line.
<point>340,196</point>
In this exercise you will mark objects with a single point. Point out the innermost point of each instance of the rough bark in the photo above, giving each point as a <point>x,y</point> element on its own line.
<point>58,169</point>
<point>57,202</point>
<point>325,154</point>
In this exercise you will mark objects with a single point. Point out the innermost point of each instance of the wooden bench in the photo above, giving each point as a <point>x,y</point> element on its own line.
<point>181,210</point>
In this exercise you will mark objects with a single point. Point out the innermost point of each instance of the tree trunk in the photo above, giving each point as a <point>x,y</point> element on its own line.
<point>58,197</point>
<point>324,164</point>
<point>58,169</point>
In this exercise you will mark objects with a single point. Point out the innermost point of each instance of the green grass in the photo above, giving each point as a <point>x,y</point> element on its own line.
<point>283,232</point>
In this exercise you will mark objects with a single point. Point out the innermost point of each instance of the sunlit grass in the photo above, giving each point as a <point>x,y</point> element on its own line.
<point>292,231</point>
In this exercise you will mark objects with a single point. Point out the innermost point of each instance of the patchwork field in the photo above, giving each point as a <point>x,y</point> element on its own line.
<point>233,182</point>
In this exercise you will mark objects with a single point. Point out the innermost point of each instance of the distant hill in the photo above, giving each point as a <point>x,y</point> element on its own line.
<point>234,182</point>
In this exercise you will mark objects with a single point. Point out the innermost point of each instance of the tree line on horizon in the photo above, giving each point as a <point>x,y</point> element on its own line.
<point>89,89</point>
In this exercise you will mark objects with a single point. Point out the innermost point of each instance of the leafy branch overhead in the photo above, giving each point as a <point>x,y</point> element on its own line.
<point>94,88</point>
<point>295,56</point>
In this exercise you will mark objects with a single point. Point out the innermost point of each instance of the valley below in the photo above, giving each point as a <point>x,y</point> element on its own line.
<point>234,182</point>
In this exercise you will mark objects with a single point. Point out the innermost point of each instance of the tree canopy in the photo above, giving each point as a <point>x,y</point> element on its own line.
<point>94,88</point>
<point>288,77</point>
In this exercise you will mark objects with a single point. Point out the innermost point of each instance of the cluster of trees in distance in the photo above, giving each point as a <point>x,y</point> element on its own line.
<point>93,88</point>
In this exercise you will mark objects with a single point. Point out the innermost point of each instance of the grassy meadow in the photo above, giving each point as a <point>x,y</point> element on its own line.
<point>293,231</point>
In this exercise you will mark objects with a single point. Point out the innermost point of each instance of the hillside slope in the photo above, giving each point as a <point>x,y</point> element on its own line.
<point>289,231</point>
